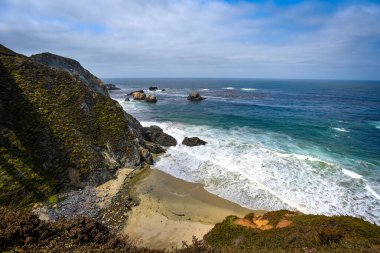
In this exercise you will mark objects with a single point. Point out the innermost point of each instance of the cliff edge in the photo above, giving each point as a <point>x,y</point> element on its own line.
<point>59,129</point>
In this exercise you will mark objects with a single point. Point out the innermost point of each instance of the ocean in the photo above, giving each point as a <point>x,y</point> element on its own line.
<point>306,145</point>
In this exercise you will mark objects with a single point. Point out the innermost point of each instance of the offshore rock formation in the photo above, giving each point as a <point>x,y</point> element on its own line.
<point>138,95</point>
<point>111,86</point>
<point>74,68</point>
<point>150,98</point>
<point>194,96</point>
<point>58,130</point>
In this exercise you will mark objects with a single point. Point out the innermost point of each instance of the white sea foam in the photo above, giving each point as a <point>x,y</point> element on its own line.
<point>229,88</point>
<point>248,89</point>
<point>375,194</point>
<point>248,168</point>
<point>205,89</point>
<point>341,129</point>
<point>351,174</point>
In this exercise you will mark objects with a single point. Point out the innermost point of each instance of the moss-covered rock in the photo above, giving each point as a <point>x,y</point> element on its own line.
<point>57,133</point>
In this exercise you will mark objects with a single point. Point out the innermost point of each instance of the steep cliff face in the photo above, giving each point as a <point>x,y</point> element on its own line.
<point>74,68</point>
<point>57,132</point>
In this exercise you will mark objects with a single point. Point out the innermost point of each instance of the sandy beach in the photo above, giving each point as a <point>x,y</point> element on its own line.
<point>172,210</point>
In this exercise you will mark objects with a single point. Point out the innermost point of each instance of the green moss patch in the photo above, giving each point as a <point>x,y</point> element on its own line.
<point>325,234</point>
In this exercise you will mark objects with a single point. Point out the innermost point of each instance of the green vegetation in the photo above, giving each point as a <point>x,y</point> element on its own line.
<point>307,232</point>
<point>52,123</point>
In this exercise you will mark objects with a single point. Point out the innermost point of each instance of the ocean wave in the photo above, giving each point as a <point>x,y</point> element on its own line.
<point>228,88</point>
<point>248,89</point>
<point>252,169</point>
<point>341,129</point>
<point>375,194</point>
<point>351,174</point>
<point>205,89</point>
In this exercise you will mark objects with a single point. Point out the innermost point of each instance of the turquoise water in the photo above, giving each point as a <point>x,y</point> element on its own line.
<point>297,144</point>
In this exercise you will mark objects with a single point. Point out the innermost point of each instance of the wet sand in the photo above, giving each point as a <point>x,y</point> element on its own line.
<point>172,210</point>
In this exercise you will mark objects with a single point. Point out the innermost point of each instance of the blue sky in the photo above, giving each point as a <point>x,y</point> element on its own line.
<point>199,38</point>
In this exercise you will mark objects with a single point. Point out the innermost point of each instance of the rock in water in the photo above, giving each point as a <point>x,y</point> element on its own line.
<point>153,88</point>
<point>111,86</point>
<point>126,99</point>
<point>138,95</point>
<point>156,135</point>
<point>130,93</point>
<point>150,98</point>
<point>194,96</point>
<point>193,141</point>
<point>74,68</point>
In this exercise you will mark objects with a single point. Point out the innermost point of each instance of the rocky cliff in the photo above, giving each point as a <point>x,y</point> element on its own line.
<point>58,129</point>
<point>74,68</point>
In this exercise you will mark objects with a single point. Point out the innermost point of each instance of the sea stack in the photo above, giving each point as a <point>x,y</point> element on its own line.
<point>194,96</point>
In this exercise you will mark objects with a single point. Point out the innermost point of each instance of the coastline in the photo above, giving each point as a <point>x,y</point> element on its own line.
<point>172,210</point>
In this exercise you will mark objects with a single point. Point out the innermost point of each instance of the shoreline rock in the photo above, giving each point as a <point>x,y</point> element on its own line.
<point>193,141</point>
<point>153,88</point>
<point>156,135</point>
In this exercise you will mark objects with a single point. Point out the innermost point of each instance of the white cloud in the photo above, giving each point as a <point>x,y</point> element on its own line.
<point>199,38</point>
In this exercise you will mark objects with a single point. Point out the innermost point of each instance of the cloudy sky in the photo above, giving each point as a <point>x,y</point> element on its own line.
<point>200,38</point>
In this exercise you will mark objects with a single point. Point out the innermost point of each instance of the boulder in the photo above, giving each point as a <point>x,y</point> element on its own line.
<point>138,95</point>
<point>126,99</point>
<point>146,156</point>
<point>194,96</point>
<point>111,86</point>
<point>193,141</point>
<point>150,98</point>
<point>153,88</point>
<point>154,148</point>
<point>130,93</point>
<point>156,135</point>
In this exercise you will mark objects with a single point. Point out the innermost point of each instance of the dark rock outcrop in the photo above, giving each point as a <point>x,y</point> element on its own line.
<point>138,95</point>
<point>153,88</point>
<point>154,148</point>
<point>56,132</point>
<point>74,68</point>
<point>156,135</point>
<point>193,141</point>
<point>126,99</point>
<point>194,96</point>
<point>111,86</point>
<point>146,156</point>
<point>150,98</point>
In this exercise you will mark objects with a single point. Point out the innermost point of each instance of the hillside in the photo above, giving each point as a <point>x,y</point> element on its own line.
<point>74,68</point>
<point>57,132</point>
